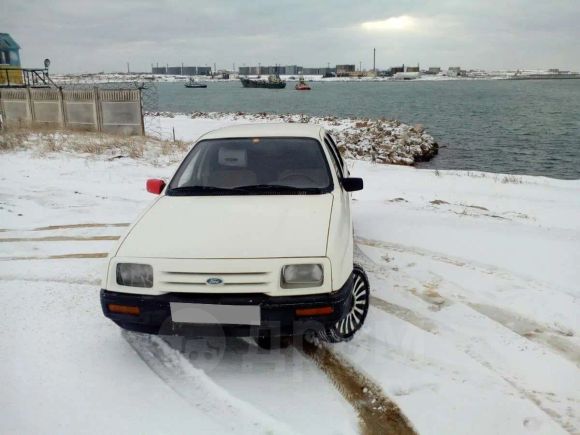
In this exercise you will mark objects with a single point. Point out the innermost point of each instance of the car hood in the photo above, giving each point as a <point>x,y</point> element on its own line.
<point>261,226</point>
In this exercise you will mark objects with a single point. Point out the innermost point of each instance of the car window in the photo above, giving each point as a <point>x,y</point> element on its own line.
<point>334,158</point>
<point>256,165</point>
<point>335,147</point>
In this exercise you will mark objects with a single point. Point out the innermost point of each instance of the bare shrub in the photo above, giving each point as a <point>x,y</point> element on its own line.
<point>511,179</point>
<point>12,140</point>
<point>46,139</point>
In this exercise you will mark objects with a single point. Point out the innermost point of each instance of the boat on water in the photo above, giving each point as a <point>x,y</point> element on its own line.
<point>191,83</point>
<point>302,85</point>
<point>273,82</point>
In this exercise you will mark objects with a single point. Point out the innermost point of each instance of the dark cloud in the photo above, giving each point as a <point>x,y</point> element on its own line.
<point>103,35</point>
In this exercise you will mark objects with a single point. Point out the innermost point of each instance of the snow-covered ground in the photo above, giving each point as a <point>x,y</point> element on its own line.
<point>473,329</point>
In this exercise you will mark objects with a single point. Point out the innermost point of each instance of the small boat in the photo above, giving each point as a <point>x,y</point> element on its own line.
<point>191,83</point>
<point>302,85</point>
<point>273,82</point>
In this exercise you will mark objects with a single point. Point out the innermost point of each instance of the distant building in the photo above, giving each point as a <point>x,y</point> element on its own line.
<point>174,70</point>
<point>433,70</point>
<point>292,70</point>
<point>204,70</point>
<point>182,70</point>
<point>412,69</point>
<point>456,71</point>
<point>345,70</point>
<point>9,51</point>
<point>313,71</point>
<point>318,71</point>
<point>394,70</point>
<point>189,70</point>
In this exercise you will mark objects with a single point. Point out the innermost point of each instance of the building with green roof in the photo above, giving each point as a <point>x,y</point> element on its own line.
<point>9,51</point>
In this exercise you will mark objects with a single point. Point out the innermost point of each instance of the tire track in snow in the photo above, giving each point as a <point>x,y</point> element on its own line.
<point>58,257</point>
<point>556,340</point>
<point>195,387</point>
<point>377,413</point>
<point>86,225</point>
<point>405,314</point>
<point>542,335</point>
<point>66,226</point>
<point>58,239</point>
<point>526,329</point>
<point>455,261</point>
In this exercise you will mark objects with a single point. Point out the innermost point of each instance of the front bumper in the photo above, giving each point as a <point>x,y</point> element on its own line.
<point>278,314</point>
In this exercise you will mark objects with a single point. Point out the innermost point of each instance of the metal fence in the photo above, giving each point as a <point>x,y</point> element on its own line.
<point>96,108</point>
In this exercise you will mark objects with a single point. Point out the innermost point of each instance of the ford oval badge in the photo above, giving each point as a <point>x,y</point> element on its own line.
<point>214,281</point>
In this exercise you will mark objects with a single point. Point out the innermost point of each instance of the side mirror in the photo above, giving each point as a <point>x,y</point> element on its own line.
<point>155,186</point>
<point>352,184</point>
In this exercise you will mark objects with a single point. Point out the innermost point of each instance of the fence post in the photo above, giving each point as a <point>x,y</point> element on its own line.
<point>61,105</point>
<point>2,116</point>
<point>98,108</point>
<point>141,110</point>
<point>30,106</point>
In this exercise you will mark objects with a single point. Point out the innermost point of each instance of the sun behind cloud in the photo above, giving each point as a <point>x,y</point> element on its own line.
<point>402,23</point>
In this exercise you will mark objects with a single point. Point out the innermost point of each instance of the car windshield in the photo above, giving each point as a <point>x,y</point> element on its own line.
<point>253,166</point>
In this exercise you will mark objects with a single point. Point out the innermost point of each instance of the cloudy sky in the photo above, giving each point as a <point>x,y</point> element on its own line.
<point>103,35</point>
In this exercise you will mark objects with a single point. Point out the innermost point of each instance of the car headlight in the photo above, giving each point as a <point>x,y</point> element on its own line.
<point>302,275</point>
<point>134,275</point>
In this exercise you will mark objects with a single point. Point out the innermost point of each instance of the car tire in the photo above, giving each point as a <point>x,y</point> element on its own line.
<point>345,328</point>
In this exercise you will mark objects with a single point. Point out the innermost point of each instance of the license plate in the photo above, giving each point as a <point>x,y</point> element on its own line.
<point>215,314</point>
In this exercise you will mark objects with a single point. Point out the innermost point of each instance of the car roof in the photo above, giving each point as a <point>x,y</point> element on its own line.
<point>266,130</point>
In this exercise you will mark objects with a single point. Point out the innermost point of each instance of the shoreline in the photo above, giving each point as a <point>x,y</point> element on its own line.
<point>376,140</point>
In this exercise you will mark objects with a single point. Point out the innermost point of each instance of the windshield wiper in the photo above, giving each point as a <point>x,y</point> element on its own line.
<point>203,190</point>
<point>277,188</point>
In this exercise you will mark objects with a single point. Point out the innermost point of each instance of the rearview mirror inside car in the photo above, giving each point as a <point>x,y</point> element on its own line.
<point>352,184</point>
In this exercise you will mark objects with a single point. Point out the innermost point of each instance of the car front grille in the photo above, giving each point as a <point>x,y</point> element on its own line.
<point>216,281</point>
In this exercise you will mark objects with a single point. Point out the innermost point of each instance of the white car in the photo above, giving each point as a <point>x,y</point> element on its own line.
<point>252,236</point>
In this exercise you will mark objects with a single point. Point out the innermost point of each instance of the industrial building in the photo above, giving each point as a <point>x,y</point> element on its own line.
<point>433,70</point>
<point>182,70</point>
<point>189,70</point>
<point>322,71</point>
<point>290,70</point>
<point>174,70</point>
<point>345,70</point>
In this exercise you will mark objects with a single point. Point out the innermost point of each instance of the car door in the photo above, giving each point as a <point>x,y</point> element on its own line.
<point>340,243</point>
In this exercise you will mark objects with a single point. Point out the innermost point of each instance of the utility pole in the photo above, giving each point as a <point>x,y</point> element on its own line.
<point>374,61</point>
<point>128,69</point>
<point>181,68</point>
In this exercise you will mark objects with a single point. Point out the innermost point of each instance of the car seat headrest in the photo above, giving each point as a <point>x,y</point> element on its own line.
<point>237,158</point>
